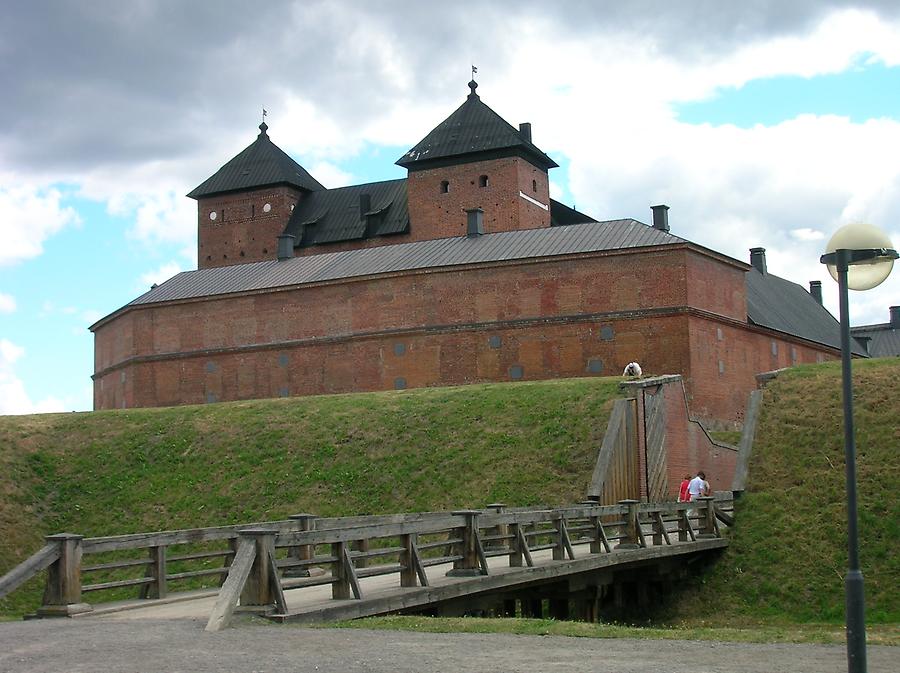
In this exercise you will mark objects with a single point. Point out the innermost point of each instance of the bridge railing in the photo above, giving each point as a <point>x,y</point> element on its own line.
<point>253,564</point>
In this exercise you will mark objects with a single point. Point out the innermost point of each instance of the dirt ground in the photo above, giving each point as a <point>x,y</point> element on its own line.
<point>110,645</point>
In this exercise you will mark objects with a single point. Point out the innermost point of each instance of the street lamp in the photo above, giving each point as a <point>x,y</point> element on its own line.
<point>859,257</point>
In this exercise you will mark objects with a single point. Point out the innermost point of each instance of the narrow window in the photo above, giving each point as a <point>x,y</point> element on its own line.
<point>483,181</point>
<point>445,187</point>
<point>252,210</point>
<point>534,185</point>
<point>223,214</point>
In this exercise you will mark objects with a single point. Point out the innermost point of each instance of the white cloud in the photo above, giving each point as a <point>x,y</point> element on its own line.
<point>14,398</point>
<point>330,175</point>
<point>7,303</point>
<point>807,234</point>
<point>158,276</point>
<point>29,215</point>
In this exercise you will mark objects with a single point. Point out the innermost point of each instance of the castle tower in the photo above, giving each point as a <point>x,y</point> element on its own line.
<point>475,159</point>
<point>245,205</point>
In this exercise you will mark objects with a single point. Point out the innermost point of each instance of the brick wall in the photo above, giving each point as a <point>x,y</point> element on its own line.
<point>243,229</point>
<point>579,316</point>
<point>434,213</point>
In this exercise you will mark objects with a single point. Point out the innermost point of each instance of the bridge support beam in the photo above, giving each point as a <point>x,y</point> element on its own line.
<point>62,595</point>
<point>261,589</point>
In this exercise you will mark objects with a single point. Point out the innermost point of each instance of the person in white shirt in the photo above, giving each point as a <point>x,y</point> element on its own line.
<point>633,369</point>
<point>698,486</point>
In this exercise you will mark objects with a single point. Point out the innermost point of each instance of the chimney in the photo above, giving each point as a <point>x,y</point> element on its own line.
<point>365,205</point>
<point>815,289</point>
<point>474,222</point>
<point>895,317</point>
<point>758,259</point>
<point>285,247</point>
<point>525,131</point>
<point>660,217</point>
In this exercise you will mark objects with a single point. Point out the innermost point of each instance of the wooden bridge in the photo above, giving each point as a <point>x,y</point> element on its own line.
<point>316,569</point>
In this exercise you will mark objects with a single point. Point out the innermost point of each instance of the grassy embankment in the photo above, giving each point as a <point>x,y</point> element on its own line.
<point>115,472</point>
<point>782,575</point>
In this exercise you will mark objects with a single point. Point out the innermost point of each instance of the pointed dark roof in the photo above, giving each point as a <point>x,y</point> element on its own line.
<point>334,215</point>
<point>473,129</point>
<point>260,164</point>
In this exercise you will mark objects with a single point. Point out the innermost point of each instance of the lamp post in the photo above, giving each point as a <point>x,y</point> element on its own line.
<point>859,257</point>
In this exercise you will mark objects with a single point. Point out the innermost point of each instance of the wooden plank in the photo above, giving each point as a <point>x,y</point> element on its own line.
<point>336,535</point>
<point>607,449</point>
<point>508,581</point>
<point>233,586</point>
<point>275,587</point>
<point>417,564</point>
<point>655,440</point>
<point>745,448</point>
<point>662,527</point>
<point>40,560</point>
<point>566,540</point>
<point>523,547</point>
<point>117,584</point>
<point>479,550</point>
<point>351,572</point>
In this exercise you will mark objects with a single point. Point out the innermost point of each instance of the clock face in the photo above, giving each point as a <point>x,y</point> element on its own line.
<point>267,207</point>
<point>212,216</point>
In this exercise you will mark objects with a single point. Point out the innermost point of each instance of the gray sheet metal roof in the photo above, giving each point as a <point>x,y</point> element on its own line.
<point>473,128</point>
<point>260,164</point>
<point>784,306</point>
<point>444,252</point>
<point>884,341</point>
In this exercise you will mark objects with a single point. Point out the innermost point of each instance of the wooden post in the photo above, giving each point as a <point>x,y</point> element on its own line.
<point>501,529</point>
<point>62,595</point>
<point>257,595</point>
<point>303,552</point>
<point>345,580</point>
<point>361,546</point>
<point>632,526</point>
<point>407,560</point>
<point>516,553</point>
<point>559,547</point>
<point>157,570</point>
<point>470,564</point>
<point>708,517</point>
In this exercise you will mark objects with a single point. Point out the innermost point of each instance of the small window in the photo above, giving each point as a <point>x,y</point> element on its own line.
<point>252,210</point>
<point>483,181</point>
<point>534,185</point>
<point>445,187</point>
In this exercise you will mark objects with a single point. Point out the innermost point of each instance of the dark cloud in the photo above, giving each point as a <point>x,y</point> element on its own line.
<point>110,81</point>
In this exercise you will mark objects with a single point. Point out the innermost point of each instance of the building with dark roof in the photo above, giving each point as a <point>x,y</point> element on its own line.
<point>881,340</point>
<point>466,271</point>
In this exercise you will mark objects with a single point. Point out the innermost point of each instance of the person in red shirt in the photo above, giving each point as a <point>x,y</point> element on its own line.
<point>683,491</point>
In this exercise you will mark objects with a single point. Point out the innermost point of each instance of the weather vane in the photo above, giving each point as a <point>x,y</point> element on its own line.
<point>474,70</point>
<point>264,115</point>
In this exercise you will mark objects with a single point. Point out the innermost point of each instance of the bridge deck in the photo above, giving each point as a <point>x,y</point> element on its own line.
<point>382,594</point>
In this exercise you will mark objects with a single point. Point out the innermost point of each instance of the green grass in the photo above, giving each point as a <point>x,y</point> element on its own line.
<point>114,472</point>
<point>746,633</point>
<point>534,443</point>
<point>788,553</point>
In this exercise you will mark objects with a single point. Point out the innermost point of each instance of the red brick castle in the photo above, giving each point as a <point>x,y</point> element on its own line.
<point>466,271</point>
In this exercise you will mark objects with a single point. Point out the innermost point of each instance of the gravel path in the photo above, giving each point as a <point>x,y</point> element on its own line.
<point>109,645</point>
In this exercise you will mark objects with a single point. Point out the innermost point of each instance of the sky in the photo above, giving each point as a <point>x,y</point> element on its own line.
<point>760,123</point>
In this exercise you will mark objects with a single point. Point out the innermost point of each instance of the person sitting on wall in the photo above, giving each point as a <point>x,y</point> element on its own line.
<point>632,370</point>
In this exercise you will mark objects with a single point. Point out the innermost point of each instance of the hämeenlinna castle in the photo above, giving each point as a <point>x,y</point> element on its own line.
<point>465,271</point>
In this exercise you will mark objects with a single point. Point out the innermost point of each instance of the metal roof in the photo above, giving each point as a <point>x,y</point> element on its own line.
<point>884,340</point>
<point>784,306</point>
<point>472,129</point>
<point>260,164</point>
<point>334,215</point>
<point>444,252</point>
